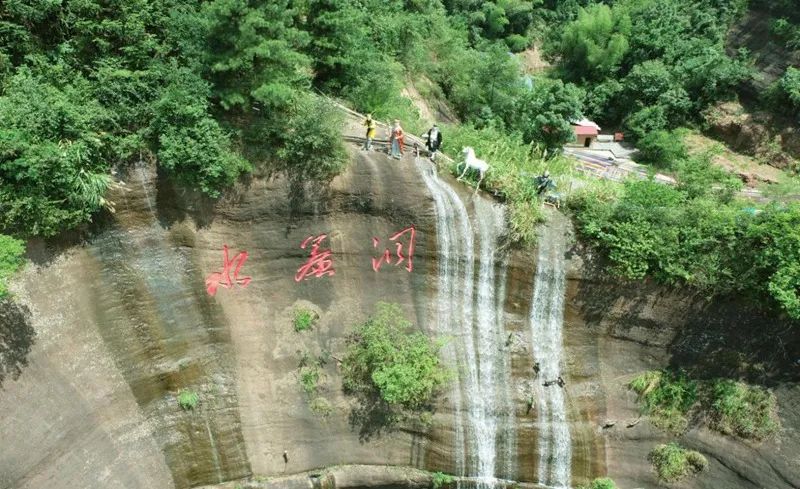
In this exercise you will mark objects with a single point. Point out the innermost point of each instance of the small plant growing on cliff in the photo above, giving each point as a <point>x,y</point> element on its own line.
<point>321,407</point>
<point>673,462</point>
<point>188,400</point>
<point>388,363</point>
<point>441,479</point>
<point>11,251</point>
<point>303,319</point>
<point>601,483</point>
<point>309,379</point>
<point>666,397</point>
<point>742,410</point>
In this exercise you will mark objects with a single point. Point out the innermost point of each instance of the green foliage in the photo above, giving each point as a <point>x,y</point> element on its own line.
<point>188,399</point>
<point>11,259</point>
<point>311,147</point>
<point>385,359</point>
<point>54,155</point>
<point>441,479</point>
<point>255,53</point>
<point>785,93</point>
<point>544,113</point>
<point>321,407</point>
<point>743,410</point>
<point>303,319</point>
<point>662,149</point>
<point>594,45</point>
<point>733,408</point>
<point>601,483</point>
<point>309,378</point>
<point>673,462</point>
<point>666,397</point>
<point>513,166</point>
<point>668,54</point>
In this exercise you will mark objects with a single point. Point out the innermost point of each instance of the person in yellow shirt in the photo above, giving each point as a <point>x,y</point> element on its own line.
<point>370,125</point>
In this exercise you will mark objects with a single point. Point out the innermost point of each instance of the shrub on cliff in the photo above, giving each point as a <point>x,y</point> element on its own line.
<point>601,483</point>
<point>743,410</point>
<point>667,397</point>
<point>673,462</point>
<point>11,251</point>
<point>388,363</point>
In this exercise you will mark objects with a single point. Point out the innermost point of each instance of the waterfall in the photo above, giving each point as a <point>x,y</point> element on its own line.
<point>472,316</point>
<point>546,321</point>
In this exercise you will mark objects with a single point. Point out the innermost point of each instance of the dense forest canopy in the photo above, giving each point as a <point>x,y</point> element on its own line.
<point>212,90</point>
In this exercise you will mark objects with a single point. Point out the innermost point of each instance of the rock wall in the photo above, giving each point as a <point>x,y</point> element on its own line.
<point>123,323</point>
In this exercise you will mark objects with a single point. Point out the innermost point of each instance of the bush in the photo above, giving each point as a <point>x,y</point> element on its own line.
<point>441,479</point>
<point>54,154</point>
<point>673,463</point>
<point>11,252</point>
<point>385,360</point>
<point>311,146</point>
<point>742,410</point>
<point>188,400</point>
<point>304,319</point>
<point>662,149</point>
<point>513,166</point>
<point>309,379</point>
<point>321,407</point>
<point>666,397</point>
<point>601,483</point>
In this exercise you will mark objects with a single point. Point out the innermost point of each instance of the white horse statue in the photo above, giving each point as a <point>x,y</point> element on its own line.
<point>473,162</point>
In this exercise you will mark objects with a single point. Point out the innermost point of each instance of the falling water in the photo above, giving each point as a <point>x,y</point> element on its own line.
<point>546,320</point>
<point>474,318</point>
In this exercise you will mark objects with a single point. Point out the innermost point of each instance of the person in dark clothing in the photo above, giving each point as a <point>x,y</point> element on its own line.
<point>544,183</point>
<point>560,382</point>
<point>433,141</point>
<point>536,369</point>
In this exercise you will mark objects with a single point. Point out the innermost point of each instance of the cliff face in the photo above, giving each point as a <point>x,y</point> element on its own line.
<point>124,322</point>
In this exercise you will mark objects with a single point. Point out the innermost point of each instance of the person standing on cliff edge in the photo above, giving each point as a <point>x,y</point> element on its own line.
<point>369,122</point>
<point>396,140</point>
<point>433,140</point>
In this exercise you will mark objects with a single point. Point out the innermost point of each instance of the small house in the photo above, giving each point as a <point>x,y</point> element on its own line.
<point>586,132</point>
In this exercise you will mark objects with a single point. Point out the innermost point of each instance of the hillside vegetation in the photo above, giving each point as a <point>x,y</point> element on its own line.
<point>213,90</point>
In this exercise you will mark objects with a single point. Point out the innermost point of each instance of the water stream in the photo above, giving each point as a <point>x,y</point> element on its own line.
<point>546,321</point>
<point>470,312</point>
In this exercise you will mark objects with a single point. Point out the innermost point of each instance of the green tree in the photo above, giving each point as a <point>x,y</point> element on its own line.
<point>255,53</point>
<point>339,42</point>
<point>593,46</point>
<point>385,359</point>
<point>544,113</point>
<point>661,148</point>
<point>54,155</point>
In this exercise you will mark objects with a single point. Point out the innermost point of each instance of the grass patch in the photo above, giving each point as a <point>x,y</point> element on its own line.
<point>732,408</point>
<point>309,378</point>
<point>600,483</point>
<point>304,319</point>
<point>742,410</point>
<point>188,399</point>
<point>513,165</point>
<point>11,251</point>
<point>441,479</point>
<point>666,397</point>
<point>673,462</point>
<point>321,407</point>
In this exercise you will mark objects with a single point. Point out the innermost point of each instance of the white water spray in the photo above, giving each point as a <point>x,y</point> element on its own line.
<point>546,320</point>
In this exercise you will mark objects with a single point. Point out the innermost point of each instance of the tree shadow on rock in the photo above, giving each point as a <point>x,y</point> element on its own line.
<point>372,417</point>
<point>16,338</point>
<point>733,340</point>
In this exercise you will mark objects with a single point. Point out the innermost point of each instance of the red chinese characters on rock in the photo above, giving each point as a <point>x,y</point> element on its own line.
<point>410,235</point>
<point>319,264</point>
<point>223,278</point>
